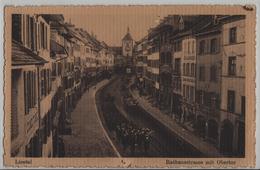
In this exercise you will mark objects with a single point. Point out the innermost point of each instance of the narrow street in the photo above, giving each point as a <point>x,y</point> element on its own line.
<point>122,84</point>
<point>163,143</point>
<point>88,138</point>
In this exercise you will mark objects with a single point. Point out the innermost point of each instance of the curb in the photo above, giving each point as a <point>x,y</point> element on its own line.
<point>99,119</point>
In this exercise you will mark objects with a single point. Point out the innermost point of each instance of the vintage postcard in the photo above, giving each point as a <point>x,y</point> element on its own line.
<point>129,86</point>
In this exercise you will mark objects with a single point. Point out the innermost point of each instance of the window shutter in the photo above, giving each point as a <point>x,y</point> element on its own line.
<point>39,35</point>
<point>49,81</point>
<point>29,89</point>
<point>28,30</point>
<point>25,94</point>
<point>16,27</point>
<point>32,33</point>
<point>218,44</point>
<point>45,82</point>
<point>34,88</point>
<point>35,36</point>
<point>14,111</point>
<point>42,83</point>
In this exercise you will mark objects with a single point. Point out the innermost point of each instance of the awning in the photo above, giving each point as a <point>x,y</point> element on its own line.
<point>24,56</point>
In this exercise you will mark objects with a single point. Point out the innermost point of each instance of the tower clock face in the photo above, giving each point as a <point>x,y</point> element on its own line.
<point>127,46</point>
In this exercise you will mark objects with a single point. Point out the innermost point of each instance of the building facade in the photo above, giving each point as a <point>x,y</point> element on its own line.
<point>196,70</point>
<point>50,61</point>
<point>233,101</point>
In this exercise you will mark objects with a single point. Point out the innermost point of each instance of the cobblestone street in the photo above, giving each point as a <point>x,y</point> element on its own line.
<point>128,82</point>
<point>88,138</point>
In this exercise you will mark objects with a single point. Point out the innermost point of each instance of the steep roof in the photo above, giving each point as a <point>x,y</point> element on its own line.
<point>53,17</point>
<point>24,56</point>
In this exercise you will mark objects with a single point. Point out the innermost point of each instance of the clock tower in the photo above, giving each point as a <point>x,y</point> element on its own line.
<point>127,45</point>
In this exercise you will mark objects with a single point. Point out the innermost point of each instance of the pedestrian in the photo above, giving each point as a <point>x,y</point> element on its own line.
<point>124,140</point>
<point>132,143</point>
<point>146,144</point>
<point>139,139</point>
<point>118,133</point>
<point>61,150</point>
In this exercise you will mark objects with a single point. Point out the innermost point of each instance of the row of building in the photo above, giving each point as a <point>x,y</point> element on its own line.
<point>52,63</point>
<point>194,68</point>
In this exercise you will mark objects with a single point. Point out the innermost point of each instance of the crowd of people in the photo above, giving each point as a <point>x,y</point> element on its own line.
<point>129,135</point>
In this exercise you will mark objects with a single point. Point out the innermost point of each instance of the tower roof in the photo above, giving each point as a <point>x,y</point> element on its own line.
<point>128,35</point>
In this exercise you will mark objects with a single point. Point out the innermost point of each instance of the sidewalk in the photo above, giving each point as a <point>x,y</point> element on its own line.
<point>204,147</point>
<point>88,139</point>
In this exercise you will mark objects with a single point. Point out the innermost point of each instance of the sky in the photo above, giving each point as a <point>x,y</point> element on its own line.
<point>110,24</point>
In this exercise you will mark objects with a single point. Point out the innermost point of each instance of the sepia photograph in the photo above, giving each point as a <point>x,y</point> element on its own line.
<point>130,83</point>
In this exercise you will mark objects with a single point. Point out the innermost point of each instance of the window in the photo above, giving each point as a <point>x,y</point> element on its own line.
<point>192,70</point>
<point>232,35</point>
<point>59,69</point>
<point>23,28</point>
<point>213,73</point>
<point>168,58</point>
<point>231,101</point>
<point>184,69</point>
<point>42,35</point>
<point>243,105</point>
<point>193,47</point>
<point>16,27</point>
<point>187,69</point>
<point>35,37</point>
<point>162,56</point>
<point>28,30</point>
<point>45,82</point>
<point>46,37</point>
<point>191,93</point>
<point>54,72</point>
<point>202,47</point>
<point>201,97</point>
<point>32,45</point>
<point>178,45</point>
<point>184,89</point>
<point>29,90</point>
<point>202,73</point>
<point>213,100</point>
<point>177,66</point>
<point>213,45</point>
<point>187,92</point>
<point>188,47</point>
<point>232,66</point>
